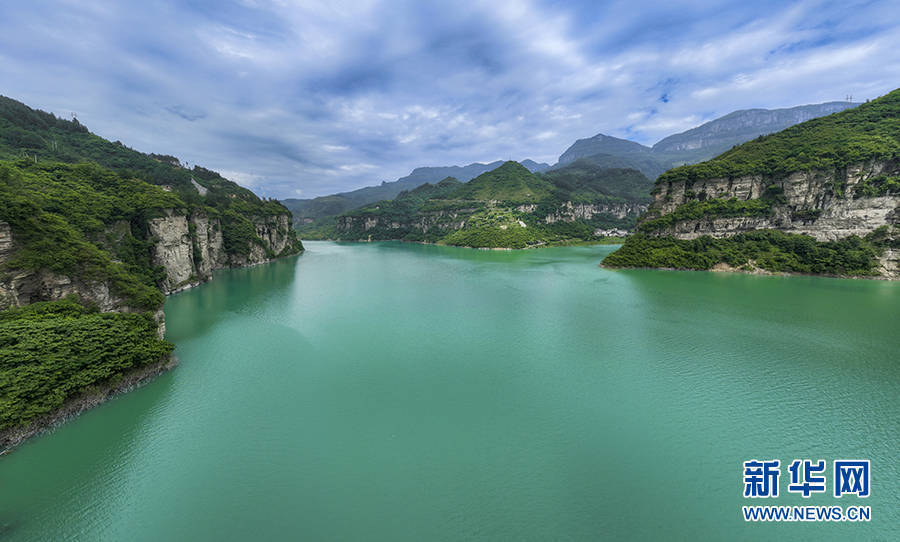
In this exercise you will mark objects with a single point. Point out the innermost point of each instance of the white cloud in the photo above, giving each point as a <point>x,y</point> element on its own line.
<point>326,96</point>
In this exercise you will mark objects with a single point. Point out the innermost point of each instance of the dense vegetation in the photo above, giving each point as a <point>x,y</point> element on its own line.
<point>43,138</point>
<point>831,144</point>
<point>870,131</point>
<point>718,208</point>
<point>61,216</point>
<point>505,207</point>
<point>583,181</point>
<point>771,250</point>
<point>880,185</point>
<point>78,207</point>
<point>511,182</point>
<point>51,351</point>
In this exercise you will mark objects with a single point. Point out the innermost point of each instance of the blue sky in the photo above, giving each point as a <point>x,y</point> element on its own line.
<point>299,99</point>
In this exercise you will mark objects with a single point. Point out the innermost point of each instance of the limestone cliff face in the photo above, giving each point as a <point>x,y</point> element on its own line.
<point>443,220</point>
<point>189,248</point>
<point>173,250</point>
<point>570,212</point>
<point>21,287</point>
<point>825,205</point>
<point>456,220</point>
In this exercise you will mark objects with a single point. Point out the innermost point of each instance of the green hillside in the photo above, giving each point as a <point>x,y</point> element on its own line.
<point>41,136</point>
<point>441,189</point>
<point>867,134</point>
<point>77,207</point>
<point>509,207</point>
<point>511,182</point>
<point>870,131</point>
<point>583,179</point>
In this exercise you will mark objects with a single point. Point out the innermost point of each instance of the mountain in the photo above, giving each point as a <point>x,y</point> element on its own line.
<point>648,164</point>
<point>719,135</point>
<point>822,197</point>
<point>583,176</point>
<point>694,145</point>
<point>535,167</point>
<point>307,211</point>
<point>510,182</point>
<point>603,151</point>
<point>429,191</point>
<point>508,207</point>
<point>92,235</point>
<point>602,144</point>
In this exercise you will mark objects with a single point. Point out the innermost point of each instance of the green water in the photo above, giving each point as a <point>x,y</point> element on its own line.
<point>406,392</point>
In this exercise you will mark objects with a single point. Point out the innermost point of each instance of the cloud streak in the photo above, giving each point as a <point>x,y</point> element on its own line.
<point>317,97</point>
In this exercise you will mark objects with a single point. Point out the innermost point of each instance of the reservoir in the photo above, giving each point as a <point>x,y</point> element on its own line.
<point>392,391</point>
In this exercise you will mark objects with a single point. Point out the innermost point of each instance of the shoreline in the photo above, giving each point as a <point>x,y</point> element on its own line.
<point>612,241</point>
<point>12,437</point>
<point>130,380</point>
<point>725,268</point>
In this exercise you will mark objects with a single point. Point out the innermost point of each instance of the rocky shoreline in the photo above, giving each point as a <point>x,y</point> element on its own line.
<point>117,385</point>
<point>725,268</point>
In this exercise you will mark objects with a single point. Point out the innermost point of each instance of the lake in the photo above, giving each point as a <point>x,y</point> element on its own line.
<point>394,391</point>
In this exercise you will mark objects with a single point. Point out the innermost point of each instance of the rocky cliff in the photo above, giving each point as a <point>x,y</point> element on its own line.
<point>826,205</point>
<point>19,287</point>
<point>457,219</point>
<point>190,247</point>
<point>571,211</point>
<point>186,247</point>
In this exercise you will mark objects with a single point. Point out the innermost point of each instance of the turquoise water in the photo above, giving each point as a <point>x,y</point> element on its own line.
<point>408,392</point>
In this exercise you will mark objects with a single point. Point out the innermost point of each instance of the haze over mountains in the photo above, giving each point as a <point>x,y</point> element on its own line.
<point>695,145</point>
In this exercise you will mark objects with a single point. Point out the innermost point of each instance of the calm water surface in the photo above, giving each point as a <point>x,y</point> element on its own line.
<point>407,392</point>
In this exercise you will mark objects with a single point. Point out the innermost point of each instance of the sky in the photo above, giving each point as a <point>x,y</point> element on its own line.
<point>307,98</point>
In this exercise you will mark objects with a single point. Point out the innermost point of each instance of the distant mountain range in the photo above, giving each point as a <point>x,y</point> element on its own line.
<point>507,207</point>
<point>819,197</point>
<point>697,144</point>
<point>307,210</point>
<point>605,152</point>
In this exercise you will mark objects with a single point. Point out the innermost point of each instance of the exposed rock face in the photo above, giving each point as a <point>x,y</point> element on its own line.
<point>824,205</point>
<point>739,126</point>
<point>444,220</point>
<point>18,287</point>
<point>456,220</point>
<point>191,247</point>
<point>570,212</point>
<point>173,250</point>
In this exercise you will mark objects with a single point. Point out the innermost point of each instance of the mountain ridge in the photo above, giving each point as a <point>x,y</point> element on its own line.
<point>507,207</point>
<point>604,151</point>
<point>309,210</point>
<point>819,197</point>
<point>696,144</point>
